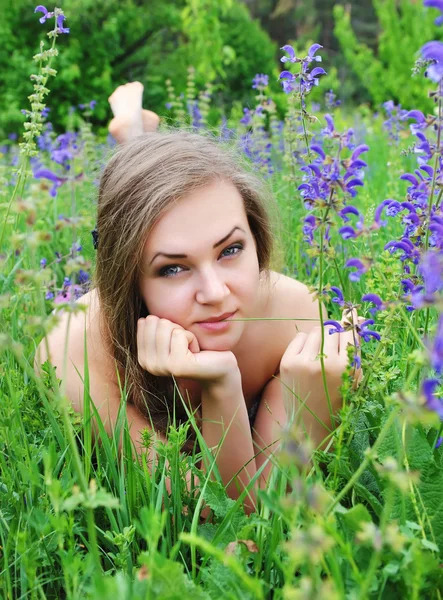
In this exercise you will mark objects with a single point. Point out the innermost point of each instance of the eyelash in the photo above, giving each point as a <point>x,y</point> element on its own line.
<point>163,270</point>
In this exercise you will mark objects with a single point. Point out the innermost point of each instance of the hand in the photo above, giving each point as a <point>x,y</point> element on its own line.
<point>300,369</point>
<point>165,348</point>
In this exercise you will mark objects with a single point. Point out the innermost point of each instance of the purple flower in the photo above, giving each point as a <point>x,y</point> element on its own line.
<point>431,269</point>
<point>43,263</point>
<point>47,174</point>
<point>339,298</point>
<point>46,14</point>
<point>419,117</point>
<point>431,402</point>
<point>60,28</point>
<point>330,100</point>
<point>311,53</point>
<point>375,299</point>
<point>436,351</point>
<point>260,81</point>
<point>292,58</point>
<point>360,266</point>
<point>330,127</point>
<point>435,4</point>
<point>366,333</point>
<point>347,232</point>
<point>337,327</point>
<point>82,277</point>
<point>433,51</point>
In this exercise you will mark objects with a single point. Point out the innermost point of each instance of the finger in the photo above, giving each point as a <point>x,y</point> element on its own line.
<point>313,343</point>
<point>163,340</point>
<point>140,341</point>
<point>148,340</point>
<point>332,342</point>
<point>180,340</point>
<point>297,344</point>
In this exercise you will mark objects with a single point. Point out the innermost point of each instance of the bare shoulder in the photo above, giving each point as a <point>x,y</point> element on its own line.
<point>64,346</point>
<point>292,299</point>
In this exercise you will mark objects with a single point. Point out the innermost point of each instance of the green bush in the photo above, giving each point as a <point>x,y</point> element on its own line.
<point>405,27</point>
<point>116,41</point>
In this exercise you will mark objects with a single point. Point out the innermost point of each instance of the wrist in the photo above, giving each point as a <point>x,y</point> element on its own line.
<point>229,381</point>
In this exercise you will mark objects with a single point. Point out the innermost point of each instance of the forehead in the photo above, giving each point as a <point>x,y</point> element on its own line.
<point>204,215</point>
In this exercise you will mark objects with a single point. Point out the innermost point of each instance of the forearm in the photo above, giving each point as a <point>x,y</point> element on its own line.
<point>310,415</point>
<point>224,413</point>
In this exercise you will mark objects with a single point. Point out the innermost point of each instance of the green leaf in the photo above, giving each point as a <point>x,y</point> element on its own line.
<point>355,516</point>
<point>428,494</point>
<point>216,498</point>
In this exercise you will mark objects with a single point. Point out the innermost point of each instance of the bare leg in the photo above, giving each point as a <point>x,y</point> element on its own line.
<point>130,120</point>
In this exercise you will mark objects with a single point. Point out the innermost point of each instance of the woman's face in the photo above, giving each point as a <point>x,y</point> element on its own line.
<point>217,271</point>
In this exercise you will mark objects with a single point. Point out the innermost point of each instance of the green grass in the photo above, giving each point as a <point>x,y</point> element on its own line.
<point>79,519</point>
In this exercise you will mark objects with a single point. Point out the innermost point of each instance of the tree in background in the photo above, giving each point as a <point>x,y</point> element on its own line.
<point>114,41</point>
<point>385,71</point>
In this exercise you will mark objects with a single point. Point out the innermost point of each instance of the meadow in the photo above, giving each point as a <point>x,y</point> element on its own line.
<point>359,203</point>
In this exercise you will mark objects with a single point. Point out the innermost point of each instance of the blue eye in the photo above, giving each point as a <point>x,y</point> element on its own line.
<point>238,247</point>
<point>167,271</point>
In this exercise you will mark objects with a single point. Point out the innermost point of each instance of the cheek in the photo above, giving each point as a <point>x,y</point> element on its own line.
<point>171,302</point>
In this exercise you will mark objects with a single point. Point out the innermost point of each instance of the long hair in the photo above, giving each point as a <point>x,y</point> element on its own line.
<point>139,183</point>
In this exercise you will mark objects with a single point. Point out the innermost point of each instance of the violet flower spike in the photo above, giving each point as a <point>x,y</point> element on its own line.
<point>292,58</point>
<point>436,352</point>
<point>431,402</point>
<point>366,333</point>
<point>433,51</point>
<point>336,326</point>
<point>339,298</point>
<point>360,266</point>
<point>375,299</point>
<point>44,10</point>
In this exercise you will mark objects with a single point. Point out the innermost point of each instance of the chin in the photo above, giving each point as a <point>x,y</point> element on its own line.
<point>217,345</point>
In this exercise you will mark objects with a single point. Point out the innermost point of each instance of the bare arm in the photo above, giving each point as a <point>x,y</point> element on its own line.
<point>224,412</point>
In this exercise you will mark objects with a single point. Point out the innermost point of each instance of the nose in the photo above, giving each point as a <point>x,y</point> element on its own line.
<point>212,288</point>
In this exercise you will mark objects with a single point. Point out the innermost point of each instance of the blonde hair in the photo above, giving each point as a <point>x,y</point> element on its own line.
<point>139,183</point>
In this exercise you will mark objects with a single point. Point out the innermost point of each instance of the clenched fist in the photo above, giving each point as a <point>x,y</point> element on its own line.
<point>167,349</point>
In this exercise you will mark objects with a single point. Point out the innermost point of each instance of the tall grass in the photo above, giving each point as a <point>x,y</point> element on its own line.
<point>83,515</point>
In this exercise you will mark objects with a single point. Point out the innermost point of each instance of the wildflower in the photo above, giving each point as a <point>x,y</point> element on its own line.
<point>409,250</point>
<point>260,81</point>
<point>330,100</point>
<point>421,122</point>
<point>436,351</point>
<point>46,14</point>
<point>47,174</point>
<point>431,402</point>
<point>366,333</point>
<point>43,263</point>
<point>433,51</point>
<point>337,327</point>
<point>339,298</point>
<point>375,299</point>
<point>431,269</point>
<point>60,28</point>
<point>362,267</point>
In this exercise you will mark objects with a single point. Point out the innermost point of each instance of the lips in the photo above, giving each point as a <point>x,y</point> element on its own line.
<point>219,318</point>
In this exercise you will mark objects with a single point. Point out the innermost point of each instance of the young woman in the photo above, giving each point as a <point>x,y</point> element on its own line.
<point>184,290</point>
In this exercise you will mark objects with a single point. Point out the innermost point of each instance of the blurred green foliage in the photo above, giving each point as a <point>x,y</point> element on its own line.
<point>115,41</point>
<point>404,27</point>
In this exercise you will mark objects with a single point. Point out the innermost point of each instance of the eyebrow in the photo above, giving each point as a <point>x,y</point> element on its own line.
<point>186,256</point>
